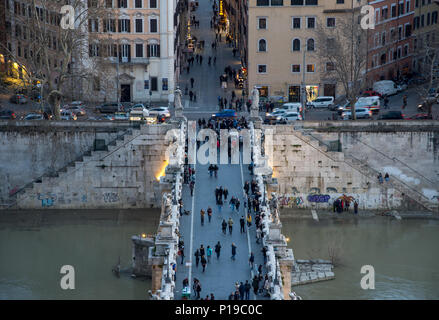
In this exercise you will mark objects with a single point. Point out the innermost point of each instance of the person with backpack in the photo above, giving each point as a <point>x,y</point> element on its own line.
<point>218,247</point>
<point>209,253</point>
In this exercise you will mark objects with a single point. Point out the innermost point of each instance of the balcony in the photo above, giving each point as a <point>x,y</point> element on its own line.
<point>128,60</point>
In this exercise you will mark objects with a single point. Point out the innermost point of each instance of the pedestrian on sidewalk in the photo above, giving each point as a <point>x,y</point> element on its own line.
<point>241,291</point>
<point>242,223</point>
<point>230,223</point>
<point>195,97</point>
<point>232,204</point>
<point>247,288</point>
<point>355,207</point>
<point>209,253</point>
<point>191,94</point>
<point>182,254</point>
<point>237,204</point>
<point>202,251</point>
<point>192,82</point>
<point>225,192</point>
<point>202,216</point>
<point>209,213</point>
<point>233,251</point>
<point>198,289</point>
<point>255,285</point>
<point>191,187</point>
<point>210,60</point>
<point>197,257</point>
<point>258,235</point>
<point>197,57</point>
<point>215,171</point>
<point>201,59</point>
<point>249,220</point>
<point>203,262</point>
<point>251,260</point>
<point>187,69</point>
<point>264,253</point>
<point>218,245</point>
<point>224,226</point>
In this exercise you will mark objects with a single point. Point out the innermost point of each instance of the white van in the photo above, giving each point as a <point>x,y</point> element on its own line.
<point>385,87</point>
<point>321,102</point>
<point>291,106</point>
<point>372,103</point>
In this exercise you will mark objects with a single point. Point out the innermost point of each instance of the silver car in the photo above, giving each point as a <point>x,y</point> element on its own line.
<point>360,114</point>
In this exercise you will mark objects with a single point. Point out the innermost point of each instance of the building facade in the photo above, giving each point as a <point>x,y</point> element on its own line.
<point>132,47</point>
<point>283,51</point>
<point>390,44</point>
<point>426,33</point>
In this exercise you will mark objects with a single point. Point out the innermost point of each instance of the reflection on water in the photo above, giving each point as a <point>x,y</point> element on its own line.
<point>403,253</point>
<point>34,246</point>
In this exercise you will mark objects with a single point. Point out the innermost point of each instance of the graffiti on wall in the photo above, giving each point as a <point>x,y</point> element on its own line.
<point>111,197</point>
<point>319,198</point>
<point>290,201</point>
<point>47,200</point>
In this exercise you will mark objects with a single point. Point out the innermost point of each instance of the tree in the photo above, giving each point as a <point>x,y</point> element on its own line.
<point>54,54</point>
<point>343,55</point>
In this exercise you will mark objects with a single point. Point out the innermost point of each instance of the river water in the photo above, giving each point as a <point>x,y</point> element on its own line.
<point>34,245</point>
<point>404,255</point>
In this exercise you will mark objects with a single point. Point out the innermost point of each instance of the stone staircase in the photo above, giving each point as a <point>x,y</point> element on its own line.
<point>90,155</point>
<point>362,167</point>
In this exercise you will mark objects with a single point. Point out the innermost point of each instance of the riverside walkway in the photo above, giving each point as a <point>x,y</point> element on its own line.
<point>221,274</point>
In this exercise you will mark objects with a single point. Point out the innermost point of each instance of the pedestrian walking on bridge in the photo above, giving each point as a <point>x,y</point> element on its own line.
<point>197,257</point>
<point>230,223</point>
<point>251,260</point>
<point>191,186</point>
<point>202,213</point>
<point>209,253</point>
<point>203,262</point>
<point>192,82</point>
<point>247,288</point>
<point>224,226</point>
<point>233,251</point>
<point>242,222</point>
<point>218,245</point>
<point>209,213</point>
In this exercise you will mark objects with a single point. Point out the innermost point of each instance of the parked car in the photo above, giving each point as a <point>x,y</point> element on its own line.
<point>272,117</point>
<point>34,116</point>
<point>18,99</point>
<point>226,113</point>
<point>321,102</point>
<point>110,108</point>
<point>392,115</point>
<point>371,103</point>
<point>290,106</point>
<point>138,112</point>
<point>289,117</point>
<point>77,107</point>
<point>371,93</point>
<point>385,87</point>
<point>360,113</point>
<point>163,111</point>
<point>7,115</point>
<point>121,116</point>
<point>420,116</point>
<point>67,115</point>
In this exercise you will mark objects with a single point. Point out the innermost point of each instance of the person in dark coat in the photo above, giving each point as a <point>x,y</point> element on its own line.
<point>224,226</point>
<point>247,287</point>
<point>242,223</point>
<point>197,257</point>
<point>255,285</point>
<point>355,207</point>
<point>233,251</point>
<point>203,262</point>
<point>241,291</point>
<point>218,245</point>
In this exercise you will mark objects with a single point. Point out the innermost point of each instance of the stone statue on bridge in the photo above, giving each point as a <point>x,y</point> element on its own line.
<point>254,108</point>
<point>274,207</point>
<point>178,106</point>
<point>166,208</point>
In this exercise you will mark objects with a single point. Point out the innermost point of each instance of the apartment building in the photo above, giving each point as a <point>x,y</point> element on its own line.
<point>283,51</point>
<point>426,32</point>
<point>132,44</point>
<point>391,42</point>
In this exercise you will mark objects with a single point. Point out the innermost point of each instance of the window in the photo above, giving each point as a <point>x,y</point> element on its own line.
<point>262,68</point>
<point>406,50</point>
<point>295,68</point>
<point>153,25</point>
<point>383,39</point>
<point>153,50</point>
<point>428,19</point>
<point>262,23</point>
<point>139,25</point>
<point>310,22</point>
<point>296,23</point>
<point>262,45</point>
<point>277,2</point>
<point>261,3</point>
<point>384,13</point>
<point>340,1</point>
<point>154,84</point>
<point>139,50</point>
<point>164,84</point>
<point>401,8</point>
<point>108,3</point>
<point>146,84</point>
<point>330,66</point>
<point>399,32</point>
<point>310,67</point>
<point>93,25</point>
<point>122,3</point>
<point>152,4</point>
<point>393,10</point>
<point>310,44</point>
<point>297,2</point>
<point>383,59</point>
<point>109,25</point>
<point>330,22</point>
<point>138,3</point>
<point>311,2</point>
<point>407,6</point>
<point>296,45</point>
<point>124,25</point>
<point>93,50</point>
<point>408,30</point>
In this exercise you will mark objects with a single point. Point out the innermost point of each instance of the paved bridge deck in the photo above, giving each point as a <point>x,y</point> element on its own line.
<point>220,275</point>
